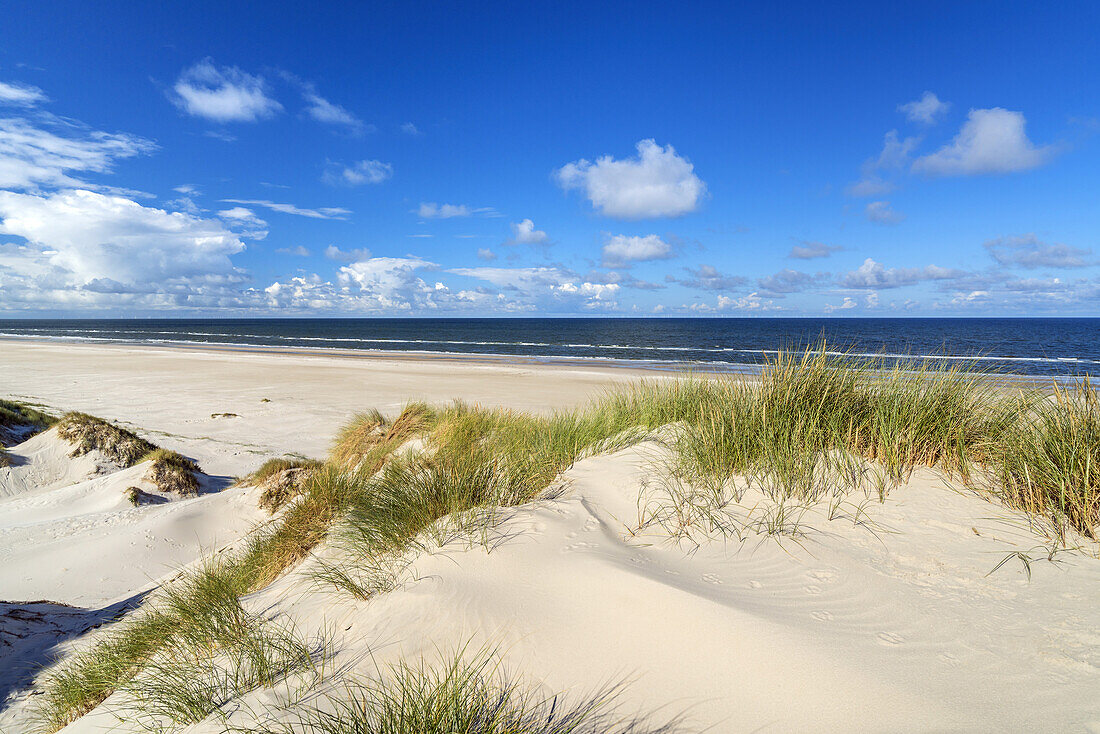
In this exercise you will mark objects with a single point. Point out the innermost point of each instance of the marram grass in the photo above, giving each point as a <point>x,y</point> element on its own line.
<point>811,426</point>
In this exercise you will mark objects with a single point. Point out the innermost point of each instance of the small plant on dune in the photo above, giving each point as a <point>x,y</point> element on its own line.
<point>171,472</point>
<point>18,422</point>
<point>181,655</point>
<point>5,458</point>
<point>369,438</point>
<point>88,433</point>
<point>467,697</point>
<point>280,480</point>
<point>1050,466</point>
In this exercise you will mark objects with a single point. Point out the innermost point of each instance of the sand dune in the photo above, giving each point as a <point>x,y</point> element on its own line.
<point>874,616</point>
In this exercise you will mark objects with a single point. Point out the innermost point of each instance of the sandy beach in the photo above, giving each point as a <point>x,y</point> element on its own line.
<point>876,616</point>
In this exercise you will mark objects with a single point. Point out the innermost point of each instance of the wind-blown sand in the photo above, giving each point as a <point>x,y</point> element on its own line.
<point>885,618</point>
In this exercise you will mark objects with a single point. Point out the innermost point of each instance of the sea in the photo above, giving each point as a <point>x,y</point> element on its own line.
<point>1039,347</point>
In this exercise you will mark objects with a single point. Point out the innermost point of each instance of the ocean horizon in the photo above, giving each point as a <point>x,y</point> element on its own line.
<point>1058,347</point>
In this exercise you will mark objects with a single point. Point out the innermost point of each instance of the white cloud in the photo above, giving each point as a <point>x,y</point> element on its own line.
<point>84,246</point>
<point>410,129</point>
<point>325,212</point>
<point>484,253</point>
<point>620,250</point>
<point>1027,251</point>
<point>223,95</point>
<point>991,141</point>
<point>807,250</point>
<point>332,252</point>
<point>847,304</point>
<point>657,183</point>
<point>880,212</point>
<point>874,275</point>
<point>246,221</point>
<point>548,288</point>
<point>431,210</point>
<point>893,157</point>
<point>391,283</point>
<point>524,233</point>
<point>707,277</point>
<point>299,251</point>
<point>924,110</point>
<point>789,281</point>
<point>322,110</point>
<point>21,95</point>
<point>31,156</point>
<point>363,172</point>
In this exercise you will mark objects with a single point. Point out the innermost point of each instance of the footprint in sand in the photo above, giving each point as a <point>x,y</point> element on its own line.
<point>823,575</point>
<point>889,638</point>
<point>711,578</point>
<point>821,615</point>
<point>811,589</point>
<point>755,585</point>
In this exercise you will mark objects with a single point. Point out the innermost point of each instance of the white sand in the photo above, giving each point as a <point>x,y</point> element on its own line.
<point>885,619</point>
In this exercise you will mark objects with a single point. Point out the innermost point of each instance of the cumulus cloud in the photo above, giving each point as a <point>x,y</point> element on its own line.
<point>484,253</point>
<point>363,172</point>
<point>21,95</point>
<point>325,212</point>
<point>547,288</point>
<point>332,252</point>
<point>789,281</point>
<point>875,275</point>
<point>431,210</point>
<point>32,156</point>
<point>844,306</point>
<point>924,110</point>
<point>1027,251</point>
<point>874,180</point>
<point>991,141</point>
<point>806,250</point>
<point>224,94</point>
<point>656,183</point>
<point>708,278</point>
<point>524,233</point>
<point>880,212</point>
<point>621,250</point>
<point>83,242</point>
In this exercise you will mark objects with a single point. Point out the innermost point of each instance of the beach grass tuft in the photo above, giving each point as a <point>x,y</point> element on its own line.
<point>280,480</point>
<point>172,472</point>
<point>18,421</point>
<point>87,433</point>
<point>471,697</point>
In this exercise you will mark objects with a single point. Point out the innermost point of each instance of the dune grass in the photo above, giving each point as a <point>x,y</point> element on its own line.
<point>460,696</point>
<point>280,480</point>
<point>18,422</point>
<point>811,426</point>
<point>186,651</point>
<point>87,433</point>
<point>172,472</point>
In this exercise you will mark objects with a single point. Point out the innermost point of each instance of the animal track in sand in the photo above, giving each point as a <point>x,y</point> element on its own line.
<point>755,585</point>
<point>824,575</point>
<point>890,638</point>
<point>822,616</point>
<point>711,578</point>
<point>811,589</point>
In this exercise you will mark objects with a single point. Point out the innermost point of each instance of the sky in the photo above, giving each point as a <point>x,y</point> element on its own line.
<point>542,159</point>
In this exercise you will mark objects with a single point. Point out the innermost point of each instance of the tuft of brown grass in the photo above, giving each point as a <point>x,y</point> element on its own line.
<point>172,472</point>
<point>18,422</point>
<point>88,433</point>
<point>280,480</point>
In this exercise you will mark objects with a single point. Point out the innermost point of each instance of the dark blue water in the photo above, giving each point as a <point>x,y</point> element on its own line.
<point>1060,347</point>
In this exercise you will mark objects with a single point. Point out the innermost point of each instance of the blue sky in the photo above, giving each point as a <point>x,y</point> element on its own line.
<point>549,159</point>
